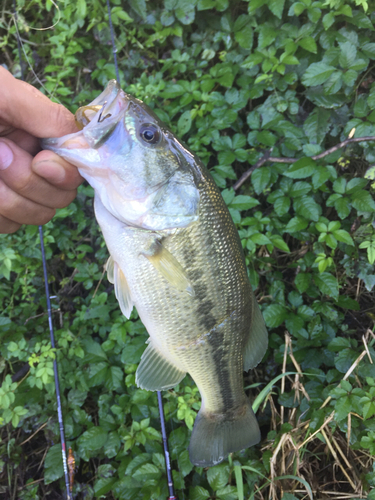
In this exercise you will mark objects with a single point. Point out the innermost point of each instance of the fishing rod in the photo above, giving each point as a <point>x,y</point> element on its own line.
<point>171,492</point>
<point>49,311</point>
<point>160,398</point>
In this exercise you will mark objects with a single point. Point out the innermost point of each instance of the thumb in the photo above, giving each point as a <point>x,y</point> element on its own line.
<point>24,107</point>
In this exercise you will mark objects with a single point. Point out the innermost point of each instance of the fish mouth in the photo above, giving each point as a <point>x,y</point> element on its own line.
<point>96,121</point>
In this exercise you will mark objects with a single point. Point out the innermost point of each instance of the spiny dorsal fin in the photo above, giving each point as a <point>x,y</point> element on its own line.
<point>156,373</point>
<point>170,268</point>
<point>257,342</point>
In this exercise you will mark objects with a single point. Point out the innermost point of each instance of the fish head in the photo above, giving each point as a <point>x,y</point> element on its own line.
<point>142,174</point>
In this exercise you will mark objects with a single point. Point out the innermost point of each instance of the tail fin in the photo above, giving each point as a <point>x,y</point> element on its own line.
<point>215,436</point>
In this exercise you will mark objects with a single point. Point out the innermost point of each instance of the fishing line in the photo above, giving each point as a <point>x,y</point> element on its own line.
<point>160,398</point>
<point>49,308</point>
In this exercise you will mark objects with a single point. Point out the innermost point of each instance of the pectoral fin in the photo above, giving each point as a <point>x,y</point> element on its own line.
<point>257,342</point>
<point>156,373</point>
<point>169,268</point>
<point>122,291</point>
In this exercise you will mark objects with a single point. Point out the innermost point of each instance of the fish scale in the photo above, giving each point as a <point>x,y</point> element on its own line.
<point>175,255</point>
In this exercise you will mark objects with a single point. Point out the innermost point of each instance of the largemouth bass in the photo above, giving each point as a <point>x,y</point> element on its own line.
<point>176,256</point>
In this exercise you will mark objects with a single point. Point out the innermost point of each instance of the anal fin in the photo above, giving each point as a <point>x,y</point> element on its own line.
<point>156,373</point>
<point>257,342</point>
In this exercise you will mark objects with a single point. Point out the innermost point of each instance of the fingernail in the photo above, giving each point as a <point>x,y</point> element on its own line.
<point>6,156</point>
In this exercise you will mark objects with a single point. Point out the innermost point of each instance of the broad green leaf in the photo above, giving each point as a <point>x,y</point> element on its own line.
<point>184,123</point>
<point>276,7</point>
<point>279,243</point>
<point>218,476</point>
<point>343,236</point>
<point>327,284</point>
<point>260,179</point>
<point>362,201</point>
<point>93,351</point>
<point>53,464</point>
<point>317,73</point>
<point>305,167</point>
<point>274,315</point>
<point>343,207</point>
<point>302,281</point>
<point>243,202</point>
<point>295,224</point>
<point>282,205</point>
<point>199,493</point>
<point>308,43</point>
<point>348,55</point>
<point>299,188</point>
<point>93,439</point>
<point>308,208</point>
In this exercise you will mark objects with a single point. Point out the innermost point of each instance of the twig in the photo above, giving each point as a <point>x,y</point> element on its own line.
<point>267,157</point>
<point>258,164</point>
<point>36,432</point>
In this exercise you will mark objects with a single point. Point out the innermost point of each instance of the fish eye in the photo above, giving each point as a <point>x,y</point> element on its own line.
<point>150,133</point>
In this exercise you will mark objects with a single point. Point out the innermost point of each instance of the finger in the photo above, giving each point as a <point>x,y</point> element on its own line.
<point>19,177</point>
<point>56,170</point>
<point>20,210</point>
<point>23,139</point>
<point>8,226</point>
<point>25,107</point>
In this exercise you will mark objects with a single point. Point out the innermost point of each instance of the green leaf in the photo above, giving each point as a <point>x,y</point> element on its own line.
<point>93,351</point>
<point>260,179</point>
<point>317,73</point>
<point>274,315</point>
<point>362,201</point>
<point>184,123</point>
<point>276,7</point>
<point>308,43</point>
<point>299,188</point>
<point>348,303</point>
<point>260,239</point>
<point>343,207</point>
<point>282,205</point>
<point>227,493</point>
<point>295,224</point>
<point>243,202</point>
<point>348,55</point>
<point>199,493</point>
<point>53,464</point>
<point>278,242</point>
<point>302,281</point>
<point>93,439</point>
<point>327,284</point>
<point>104,485</point>
<point>218,476</point>
<point>343,236</point>
<point>305,167</point>
<point>307,207</point>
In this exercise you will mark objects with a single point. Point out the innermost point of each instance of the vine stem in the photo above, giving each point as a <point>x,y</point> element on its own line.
<point>267,157</point>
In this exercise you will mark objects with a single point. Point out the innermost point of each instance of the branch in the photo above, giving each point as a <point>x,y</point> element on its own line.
<point>267,157</point>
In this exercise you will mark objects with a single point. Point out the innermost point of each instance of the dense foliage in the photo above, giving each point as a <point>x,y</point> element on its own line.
<point>232,79</point>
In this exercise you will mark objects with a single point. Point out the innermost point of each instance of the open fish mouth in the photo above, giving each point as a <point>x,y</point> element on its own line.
<point>96,121</point>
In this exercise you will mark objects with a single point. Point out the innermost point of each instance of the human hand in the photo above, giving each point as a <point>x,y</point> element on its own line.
<point>31,187</point>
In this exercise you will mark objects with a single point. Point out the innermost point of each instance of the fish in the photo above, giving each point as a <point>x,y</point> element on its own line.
<point>175,255</point>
